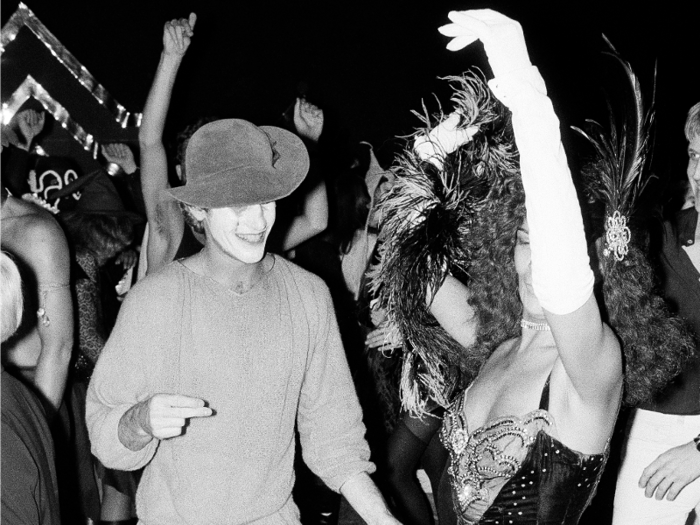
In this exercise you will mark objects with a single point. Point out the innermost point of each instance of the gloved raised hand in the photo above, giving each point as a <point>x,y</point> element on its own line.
<point>501,36</point>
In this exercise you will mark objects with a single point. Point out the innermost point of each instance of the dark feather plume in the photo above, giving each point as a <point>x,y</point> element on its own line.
<point>623,150</point>
<point>428,215</point>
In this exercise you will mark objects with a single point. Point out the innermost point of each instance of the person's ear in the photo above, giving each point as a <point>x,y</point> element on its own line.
<point>178,170</point>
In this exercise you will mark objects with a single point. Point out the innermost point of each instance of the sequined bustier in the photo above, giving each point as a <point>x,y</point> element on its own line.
<point>511,471</point>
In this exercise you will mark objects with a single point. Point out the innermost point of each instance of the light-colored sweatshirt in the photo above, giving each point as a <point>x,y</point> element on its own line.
<point>262,361</point>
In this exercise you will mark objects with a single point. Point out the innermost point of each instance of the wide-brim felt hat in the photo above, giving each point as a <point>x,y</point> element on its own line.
<point>232,162</point>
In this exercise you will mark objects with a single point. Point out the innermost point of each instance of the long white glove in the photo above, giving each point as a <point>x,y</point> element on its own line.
<point>561,273</point>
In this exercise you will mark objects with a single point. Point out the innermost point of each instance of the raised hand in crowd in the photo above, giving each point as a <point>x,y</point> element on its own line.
<point>127,259</point>
<point>308,119</point>
<point>30,122</point>
<point>177,35</point>
<point>7,136</point>
<point>121,155</point>
<point>165,221</point>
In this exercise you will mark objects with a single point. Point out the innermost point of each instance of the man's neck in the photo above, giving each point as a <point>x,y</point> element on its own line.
<point>231,273</point>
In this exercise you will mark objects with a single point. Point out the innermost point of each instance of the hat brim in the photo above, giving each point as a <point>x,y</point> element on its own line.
<point>242,186</point>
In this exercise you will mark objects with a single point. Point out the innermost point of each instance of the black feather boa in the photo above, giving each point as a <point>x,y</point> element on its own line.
<point>429,215</point>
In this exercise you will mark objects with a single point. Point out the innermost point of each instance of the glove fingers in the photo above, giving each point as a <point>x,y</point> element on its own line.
<point>451,30</point>
<point>488,16</point>
<point>461,42</point>
<point>473,23</point>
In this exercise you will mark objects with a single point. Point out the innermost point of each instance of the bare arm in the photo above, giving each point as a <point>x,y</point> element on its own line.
<point>449,307</point>
<point>165,220</point>
<point>308,121</point>
<point>452,310</point>
<point>51,265</point>
<point>561,274</point>
<point>312,221</point>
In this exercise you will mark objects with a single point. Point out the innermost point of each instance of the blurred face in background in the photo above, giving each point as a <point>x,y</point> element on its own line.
<point>375,214</point>
<point>694,168</point>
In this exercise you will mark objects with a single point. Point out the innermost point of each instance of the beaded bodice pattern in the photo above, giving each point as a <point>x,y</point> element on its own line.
<point>511,471</point>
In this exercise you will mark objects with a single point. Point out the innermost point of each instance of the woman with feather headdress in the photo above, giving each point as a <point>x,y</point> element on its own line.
<point>529,437</point>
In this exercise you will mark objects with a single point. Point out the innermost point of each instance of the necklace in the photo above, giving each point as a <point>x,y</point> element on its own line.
<point>542,327</point>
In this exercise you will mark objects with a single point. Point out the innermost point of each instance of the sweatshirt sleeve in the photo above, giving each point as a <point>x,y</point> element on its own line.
<point>329,417</point>
<point>121,376</point>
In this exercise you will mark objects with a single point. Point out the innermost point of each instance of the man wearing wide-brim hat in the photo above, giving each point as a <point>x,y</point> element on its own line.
<point>215,358</point>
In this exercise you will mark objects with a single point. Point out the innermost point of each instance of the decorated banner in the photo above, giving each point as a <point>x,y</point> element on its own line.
<point>39,72</point>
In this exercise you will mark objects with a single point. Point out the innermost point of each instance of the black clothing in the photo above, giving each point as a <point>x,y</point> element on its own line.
<point>681,286</point>
<point>553,484</point>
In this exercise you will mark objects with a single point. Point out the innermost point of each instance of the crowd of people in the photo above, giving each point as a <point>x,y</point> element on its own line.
<point>462,320</point>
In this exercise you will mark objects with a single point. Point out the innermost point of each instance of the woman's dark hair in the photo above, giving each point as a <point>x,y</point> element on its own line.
<point>103,235</point>
<point>655,343</point>
<point>351,208</point>
<point>490,275</point>
<point>493,281</point>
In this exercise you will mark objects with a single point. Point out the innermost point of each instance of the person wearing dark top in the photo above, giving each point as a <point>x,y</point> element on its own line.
<point>658,479</point>
<point>29,487</point>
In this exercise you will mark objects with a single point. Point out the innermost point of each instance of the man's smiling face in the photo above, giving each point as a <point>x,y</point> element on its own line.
<point>241,231</point>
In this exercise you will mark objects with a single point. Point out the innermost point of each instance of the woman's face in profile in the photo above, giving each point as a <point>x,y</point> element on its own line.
<point>523,267</point>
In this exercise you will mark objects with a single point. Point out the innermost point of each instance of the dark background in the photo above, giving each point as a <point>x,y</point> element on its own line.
<point>369,63</point>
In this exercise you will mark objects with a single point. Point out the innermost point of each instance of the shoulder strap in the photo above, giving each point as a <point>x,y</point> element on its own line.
<point>544,399</point>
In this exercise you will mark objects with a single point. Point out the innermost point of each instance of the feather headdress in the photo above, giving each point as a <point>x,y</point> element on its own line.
<point>425,234</point>
<point>623,152</point>
<point>655,343</point>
